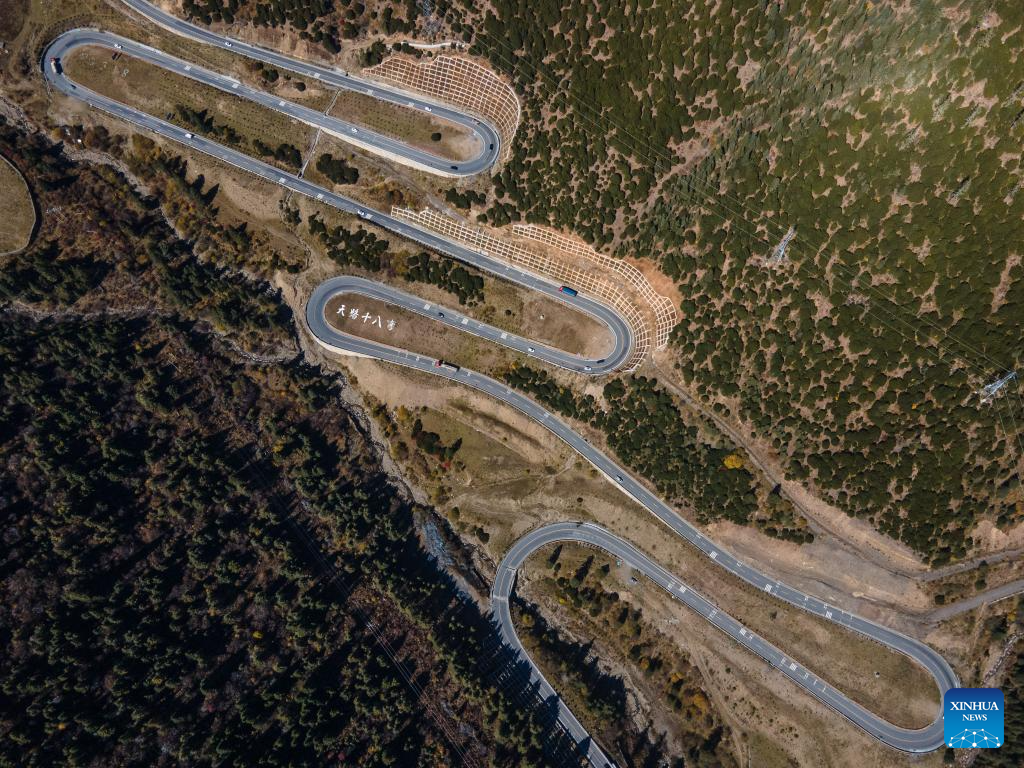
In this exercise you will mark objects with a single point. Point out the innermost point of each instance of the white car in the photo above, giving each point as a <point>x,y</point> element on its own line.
<point>118,46</point>
<point>227,43</point>
<point>587,368</point>
<point>189,136</point>
<point>530,349</point>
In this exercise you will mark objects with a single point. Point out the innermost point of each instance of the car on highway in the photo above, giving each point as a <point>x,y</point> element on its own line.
<point>587,368</point>
<point>55,65</point>
<point>618,479</point>
<point>530,349</point>
<point>455,167</point>
<point>363,214</point>
<point>440,314</point>
<point>189,136</point>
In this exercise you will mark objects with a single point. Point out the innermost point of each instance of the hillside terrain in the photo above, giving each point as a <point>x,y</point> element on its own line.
<point>889,141</point>
<point>224,544</point>
<point>203,559</point>
<point>17,211</point>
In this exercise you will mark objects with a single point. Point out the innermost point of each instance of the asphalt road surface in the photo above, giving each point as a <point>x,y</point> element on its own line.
<point>923,740</point>
<point>322,329</point>
<point>486,134</point>
<point>486,137</point>
<point>620,331</point>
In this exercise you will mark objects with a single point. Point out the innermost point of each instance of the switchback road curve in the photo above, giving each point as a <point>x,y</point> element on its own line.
<point>923,740</point>
<point>620,332</point>
<point>588,534</point>
<point>317,320</point>
<point>485,135</point>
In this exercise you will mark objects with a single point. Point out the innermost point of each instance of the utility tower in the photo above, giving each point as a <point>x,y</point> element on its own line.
<point>779,254</point>
<point>989,391</point>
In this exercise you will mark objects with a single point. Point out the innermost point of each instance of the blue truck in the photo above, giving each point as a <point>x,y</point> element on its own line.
<point>569,291</point>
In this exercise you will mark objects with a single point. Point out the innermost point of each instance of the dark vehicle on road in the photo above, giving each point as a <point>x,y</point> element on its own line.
<point>569,291</point>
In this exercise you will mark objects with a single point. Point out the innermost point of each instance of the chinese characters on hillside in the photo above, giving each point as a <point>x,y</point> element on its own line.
<point>355,314</point>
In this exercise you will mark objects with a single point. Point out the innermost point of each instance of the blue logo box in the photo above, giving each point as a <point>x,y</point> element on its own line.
<point>973,718</point>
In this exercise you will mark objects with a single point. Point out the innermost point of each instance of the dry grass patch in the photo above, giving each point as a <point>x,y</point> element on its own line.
<point>543,319</point>
<point>159,93</point>
<point>17,213</point>
<point>414,333</point>
<point>412,126</point>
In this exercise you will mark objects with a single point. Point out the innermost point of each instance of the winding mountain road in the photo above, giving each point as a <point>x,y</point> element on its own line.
<point>922,740</point>
<point>485,135</point>
<point>318,323</point>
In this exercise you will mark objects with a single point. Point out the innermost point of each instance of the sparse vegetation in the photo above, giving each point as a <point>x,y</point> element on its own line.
<point>648,432</point>
<point>286,154</point>
<point>466,199</point>
<point>447,274</point>
<point>582,586</point>
<point>431,443</point>
<point>337,169</point>
<point>361,248</point>
<point>1011,754</point>
<point>201,121</point>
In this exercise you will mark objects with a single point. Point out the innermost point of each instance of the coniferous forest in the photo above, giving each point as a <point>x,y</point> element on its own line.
<point>202,562</point>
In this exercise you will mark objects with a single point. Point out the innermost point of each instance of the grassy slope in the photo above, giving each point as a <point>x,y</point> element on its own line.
<point>17,214</point>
